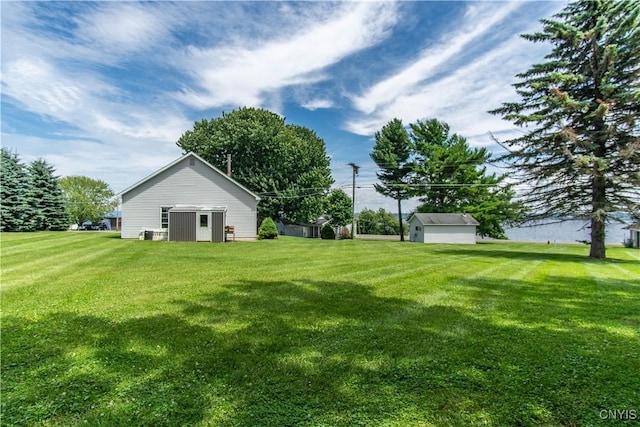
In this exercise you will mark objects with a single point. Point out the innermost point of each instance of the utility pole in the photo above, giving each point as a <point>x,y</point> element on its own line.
<point>353,200</point>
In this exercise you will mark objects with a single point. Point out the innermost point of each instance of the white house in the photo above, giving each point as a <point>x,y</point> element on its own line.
<point>442,228</point>
<point>310,229</point>
<point>189,200</point>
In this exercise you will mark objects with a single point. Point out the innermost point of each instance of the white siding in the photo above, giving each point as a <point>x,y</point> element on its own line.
<point>183,184</point>
<point>450,234</point>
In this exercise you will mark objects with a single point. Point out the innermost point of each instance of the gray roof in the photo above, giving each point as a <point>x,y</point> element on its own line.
<point>635,226</point>
<point>445,219</point>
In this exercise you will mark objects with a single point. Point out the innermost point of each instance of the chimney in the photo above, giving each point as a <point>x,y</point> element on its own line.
<point>228,164</point>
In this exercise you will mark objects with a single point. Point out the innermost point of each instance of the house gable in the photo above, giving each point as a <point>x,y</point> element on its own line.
<point>190,180</point>
<point>193,160</point>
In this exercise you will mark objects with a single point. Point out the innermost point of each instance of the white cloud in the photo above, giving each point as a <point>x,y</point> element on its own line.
<point>121,162</point>
<point>107,76</point>
<point>249,71</point>
<point>463,95</point>
<point>83,101</point>
<point>316,104</point>
<point>122,27</point>
<point>479,19</point>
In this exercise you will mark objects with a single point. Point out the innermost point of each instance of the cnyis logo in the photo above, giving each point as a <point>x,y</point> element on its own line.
<point>619,414</point>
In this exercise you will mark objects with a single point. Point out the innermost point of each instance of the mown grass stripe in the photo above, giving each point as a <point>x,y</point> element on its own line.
<point>306,332</point>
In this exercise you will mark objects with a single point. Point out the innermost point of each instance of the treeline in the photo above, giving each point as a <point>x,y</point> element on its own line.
<point>33,198</point>
<point>446,174</point>
<point>379,222</point>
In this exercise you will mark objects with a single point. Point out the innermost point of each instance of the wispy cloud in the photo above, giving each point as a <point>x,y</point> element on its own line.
<point>249,71</point>
<point>316,104</point>
<point>104,89</point>
<point>479,19</point>
<point>459,80</point>
<point>122,28</point>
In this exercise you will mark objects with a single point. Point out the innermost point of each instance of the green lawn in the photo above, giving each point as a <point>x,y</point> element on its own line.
<point>101,331</point>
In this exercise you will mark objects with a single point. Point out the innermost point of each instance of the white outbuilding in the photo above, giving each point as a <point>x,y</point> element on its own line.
<point>634,234</point>
<point>442,228</point>
<point>189,200</point>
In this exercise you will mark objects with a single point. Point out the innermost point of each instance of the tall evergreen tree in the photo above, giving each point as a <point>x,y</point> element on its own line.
<point>452,177</point>
<point>580,152</point>
<point>46,198</point>
<point>15,209</point>
<point>392,154</point>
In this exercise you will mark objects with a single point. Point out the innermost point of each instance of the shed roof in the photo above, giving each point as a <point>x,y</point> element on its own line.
<point>190,154</point>
<point>445,219</point>
<point>635,226</point>
<point>193,208</point>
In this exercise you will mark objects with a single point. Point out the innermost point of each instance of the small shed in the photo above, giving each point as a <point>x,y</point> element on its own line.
<point>197,224</point>
<point>634,234</point>
<point>442,228</point>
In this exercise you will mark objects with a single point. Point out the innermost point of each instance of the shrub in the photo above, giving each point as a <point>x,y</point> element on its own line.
<point>345,233</point>
<point>268,229</point>
<point>327,232</point>
<point>628,243</point>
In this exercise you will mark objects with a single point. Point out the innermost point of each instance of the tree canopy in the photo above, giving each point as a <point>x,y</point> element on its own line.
<point>452,177</point>
<point>339,208</point>
<point>379,222</point>
<point>87,199</point>
<point>31,198</point>
<point>286,165</point>
<point>392,154</point>
<point>579,154</point>
<point>447,175</point>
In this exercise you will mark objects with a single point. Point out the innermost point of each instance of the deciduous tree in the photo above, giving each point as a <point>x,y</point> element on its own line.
<point>579,154</point>
<point>286,165</point>
<point>339,208</point>
<point>379,222</point>
<point>87,199</point>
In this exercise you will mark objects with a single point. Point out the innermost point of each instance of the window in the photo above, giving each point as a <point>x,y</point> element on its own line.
<point>204,220</point>
<point>164,217</point>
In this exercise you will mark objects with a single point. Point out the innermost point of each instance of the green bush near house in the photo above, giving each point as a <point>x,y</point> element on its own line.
<point>102,331</point>
<point>268,229</point>
<point>327,233</point>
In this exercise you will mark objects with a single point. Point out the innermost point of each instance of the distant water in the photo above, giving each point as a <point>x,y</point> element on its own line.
<point>567,232</point>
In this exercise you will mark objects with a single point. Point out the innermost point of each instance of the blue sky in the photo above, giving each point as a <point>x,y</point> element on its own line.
<point>104,89</point>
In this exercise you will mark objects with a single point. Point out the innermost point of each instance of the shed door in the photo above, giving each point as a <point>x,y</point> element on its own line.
<point>218,224</point>
<point>203,226</point>
<point>182,226</point>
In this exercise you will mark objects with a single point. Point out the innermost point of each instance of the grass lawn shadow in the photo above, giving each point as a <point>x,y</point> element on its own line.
<point>304,352</point>
<point>504,251</point>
